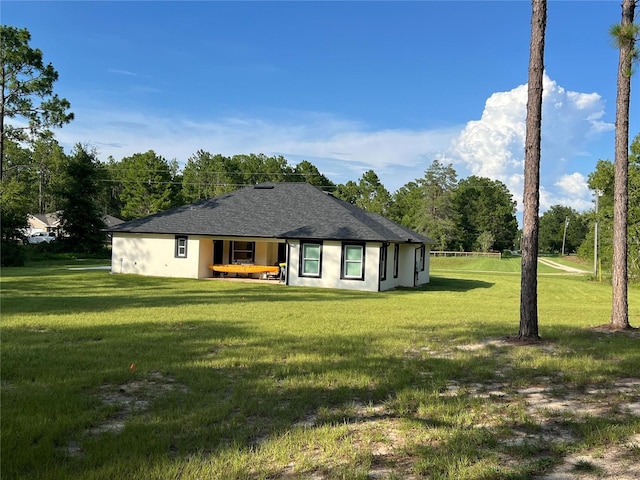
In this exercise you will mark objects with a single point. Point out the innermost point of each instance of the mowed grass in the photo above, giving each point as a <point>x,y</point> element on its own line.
<point>117,376</point>
<point>485,264</point>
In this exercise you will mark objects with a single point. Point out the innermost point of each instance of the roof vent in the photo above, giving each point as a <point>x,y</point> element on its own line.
<point>264,186</point>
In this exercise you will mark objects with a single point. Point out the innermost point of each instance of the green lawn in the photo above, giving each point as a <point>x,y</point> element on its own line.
<point>483,264</point>
<point>115,376</point>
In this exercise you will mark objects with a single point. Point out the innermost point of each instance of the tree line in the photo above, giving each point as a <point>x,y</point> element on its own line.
<point>472,213</point>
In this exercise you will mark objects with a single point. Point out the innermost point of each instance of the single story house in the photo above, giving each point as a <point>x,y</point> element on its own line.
<point>323,241</point>
<point>43,222</point>
<point>51,222</point>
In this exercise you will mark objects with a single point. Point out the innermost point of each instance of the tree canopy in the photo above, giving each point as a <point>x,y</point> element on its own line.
<point>602,180</point>
<point>369,193</point>
<point>79,207</point>
<point>27,91</point>
<point>148,184</point>
<point>206,175</point>
<point>552,230</point>
<point>485,205</point>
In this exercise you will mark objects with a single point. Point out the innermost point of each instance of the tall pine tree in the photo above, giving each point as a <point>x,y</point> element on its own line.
<point>625,35</point>
<point>531,197</point>
<point>78,192</point>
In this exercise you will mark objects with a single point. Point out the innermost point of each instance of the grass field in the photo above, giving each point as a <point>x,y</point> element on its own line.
<point>116,376</point>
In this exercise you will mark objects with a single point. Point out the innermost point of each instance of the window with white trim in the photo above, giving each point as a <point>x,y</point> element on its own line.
<point>352,261</point>
<point>181,247</point>
<point>310,259</point>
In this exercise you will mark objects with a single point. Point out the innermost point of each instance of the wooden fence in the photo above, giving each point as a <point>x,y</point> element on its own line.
<point>440,253</point>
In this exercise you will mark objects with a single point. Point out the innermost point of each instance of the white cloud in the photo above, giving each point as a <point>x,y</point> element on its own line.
<point>494,145</point>
<point>347,147</point>
<point>122,72</point>
<point>343,149</point>
<point>573,184</point>
<point>573,191</point>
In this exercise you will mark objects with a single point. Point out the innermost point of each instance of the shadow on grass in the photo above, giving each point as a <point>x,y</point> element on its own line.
<point>99,291</point>
<point>243,391</point>
<point>247,391</point>
<point>446,284</point>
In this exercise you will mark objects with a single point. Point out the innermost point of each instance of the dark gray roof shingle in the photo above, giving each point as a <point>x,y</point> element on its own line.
<point>279,210</point>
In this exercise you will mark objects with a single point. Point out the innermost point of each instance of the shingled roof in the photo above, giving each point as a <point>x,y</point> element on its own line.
<point>274,210</point>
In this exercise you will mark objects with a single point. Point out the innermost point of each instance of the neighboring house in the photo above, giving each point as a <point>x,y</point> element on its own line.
<point>43,222</point>
<point>324,241</point>
<point>51,222</point>
<point>111,221</point>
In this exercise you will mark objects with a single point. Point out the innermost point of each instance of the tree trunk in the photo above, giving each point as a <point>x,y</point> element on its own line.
<point>2,128</point>
<point>531,196</point>
<point>2,145</point>
<point>619,274</point>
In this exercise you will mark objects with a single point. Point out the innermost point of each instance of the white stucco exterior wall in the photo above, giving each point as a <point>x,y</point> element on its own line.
<point>154,255</point>
<point>407,255</point>
<point>389,282</point>
<point>205,257</point>
<point>331,264</point>
<point>262,254</point>
<point>331,267</point>
<point>425,277</point>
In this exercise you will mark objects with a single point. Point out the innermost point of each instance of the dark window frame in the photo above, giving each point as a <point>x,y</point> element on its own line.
<point>301,272</point>
<point>233,250</point>
<point>181,251</point>
<point>383,261</point>
<point>396,259</point>
<point>343,261</point>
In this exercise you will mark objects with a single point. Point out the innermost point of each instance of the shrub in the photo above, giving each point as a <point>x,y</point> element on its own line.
<point>12,254</point>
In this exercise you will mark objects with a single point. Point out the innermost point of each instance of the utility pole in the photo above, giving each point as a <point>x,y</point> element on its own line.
<point>564,235</point>
<point>595,237</point>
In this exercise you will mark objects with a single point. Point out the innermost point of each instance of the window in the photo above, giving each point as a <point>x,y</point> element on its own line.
<point>396,259</point>
<point>421,258</point>
<point>383,261</point>
<point>242,252</point>
<point>181,247</point>
<point>353,262</point>
<point>310,259</point>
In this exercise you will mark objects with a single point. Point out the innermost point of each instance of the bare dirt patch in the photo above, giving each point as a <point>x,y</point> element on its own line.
<point>551,405</point>
<point>378,430</point>
<point>128,399</point>
<point>608,328</point>
<point>615,462</point>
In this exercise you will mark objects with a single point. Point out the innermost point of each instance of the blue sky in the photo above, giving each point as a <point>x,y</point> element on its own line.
<point>349,86</point>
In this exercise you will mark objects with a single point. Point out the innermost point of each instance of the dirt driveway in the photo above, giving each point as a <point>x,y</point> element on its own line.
<point>559,266</point>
